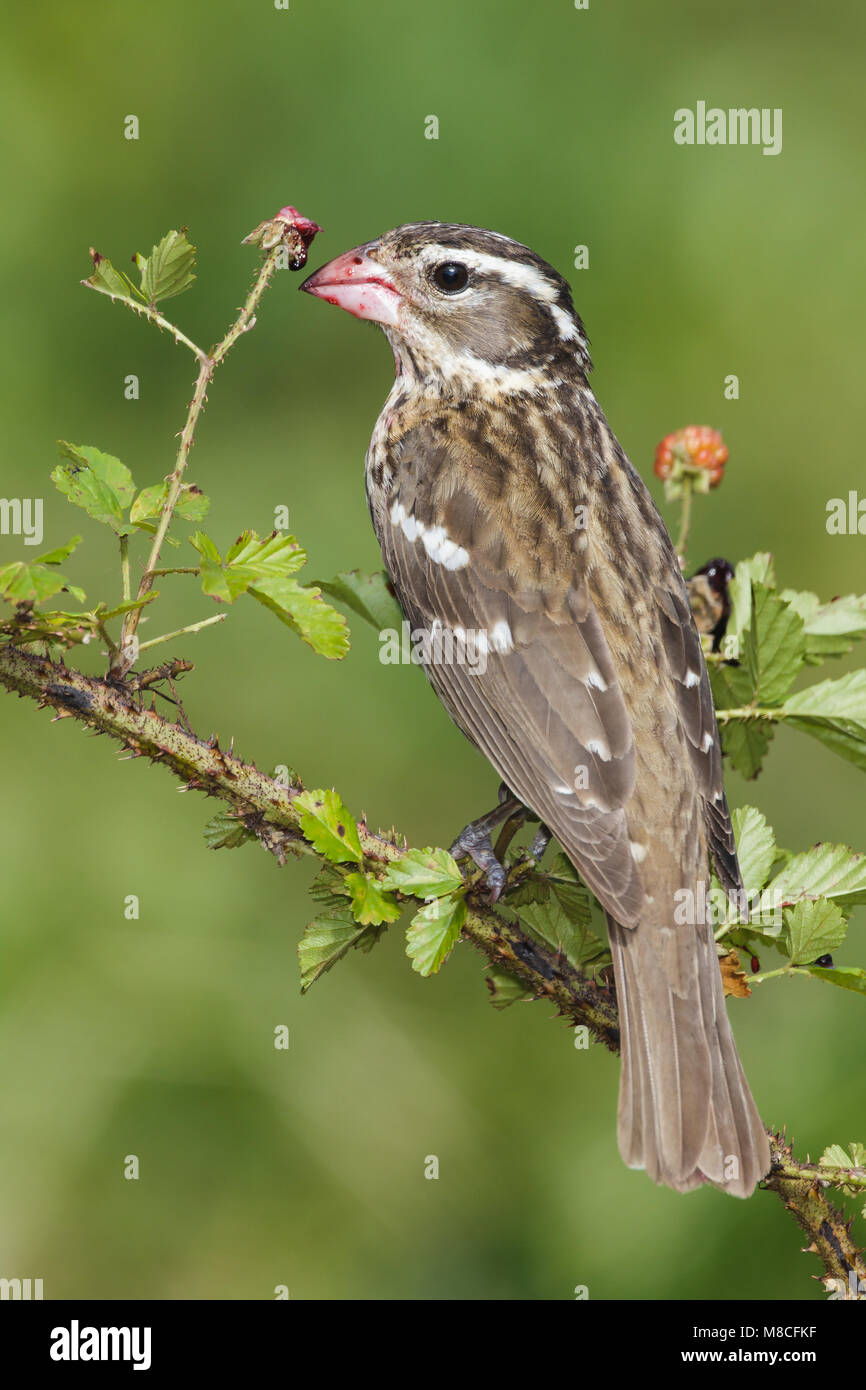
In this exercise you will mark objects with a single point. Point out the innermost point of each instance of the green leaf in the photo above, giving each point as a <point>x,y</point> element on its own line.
<point>329,827</point>
<point>834,1156</point>
<point>424,873</point>
<point>845,976</point>
<point>128,606</point>
<point>249,561</point>
<point>328,881</point>
<point>275,557</point>
<point>758,569</point>
<point>814,929</point>
<point>775,646</point>
<point>825,871</point>
<point>572,896</point>
<point>370,905</point>
<point>731,686</point>
<point>225,831</point>
<point>39,579</point>
<point>191,505</point>
<point>746,741</point>
<point>550,921</point>
<point>756,847</point>
<point>831,628</point>
<point>368,595</point>
<point>305,611</point>
<point>833,711</point>
<point>105,278</point>
<point>59,554</point>
<point>263,568</point>
<point>214,581</point>
<point>433,932</point>
<point>169,269</point>
<point>329,937</point>
<point>505,989</point>
<point>97,482</point>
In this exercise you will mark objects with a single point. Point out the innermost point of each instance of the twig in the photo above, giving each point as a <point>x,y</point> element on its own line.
<point>183,631</point>
<point>288,232</point>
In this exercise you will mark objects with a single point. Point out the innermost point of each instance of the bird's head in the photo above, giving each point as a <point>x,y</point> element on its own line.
<point>461,307</point>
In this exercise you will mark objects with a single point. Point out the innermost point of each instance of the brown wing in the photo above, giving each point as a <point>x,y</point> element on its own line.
<point>547,709</point>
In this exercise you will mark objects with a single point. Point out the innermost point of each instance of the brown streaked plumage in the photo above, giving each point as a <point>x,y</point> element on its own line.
<point>504,504</point>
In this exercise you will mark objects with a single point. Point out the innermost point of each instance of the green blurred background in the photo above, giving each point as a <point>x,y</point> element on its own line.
<point>155,1037</point>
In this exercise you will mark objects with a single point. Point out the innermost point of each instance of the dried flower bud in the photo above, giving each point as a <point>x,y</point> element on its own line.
<point>289,227</point>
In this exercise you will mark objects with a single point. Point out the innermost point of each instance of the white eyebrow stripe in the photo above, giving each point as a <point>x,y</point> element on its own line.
<point>520,274</point>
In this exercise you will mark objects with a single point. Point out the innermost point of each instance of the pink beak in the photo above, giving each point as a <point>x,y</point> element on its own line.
<point>355,282</point>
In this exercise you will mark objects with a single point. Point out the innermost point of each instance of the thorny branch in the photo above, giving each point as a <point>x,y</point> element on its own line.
<point>268,811</point>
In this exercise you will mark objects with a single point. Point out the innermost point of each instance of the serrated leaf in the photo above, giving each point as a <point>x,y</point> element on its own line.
<point>329,827</point>
<point>831,628</point>
<point>825,871</point>
<point>330,936</point>
<point>424,873</point>
<point>108,280</point>
<point>775,646</point>
<point>249,561</point>
<point>759,569</point>
<point>169,269</point>
<point>370,905</point>
<point>571,894</point>
<point>756,847</point>
<point>505,989</point>
<point>98,483</point>
<point>815,928</point>
<point>59,553</point>
<point>834,712</point>
<point>731,686</point>
<point>433,932</point>
<point>128,606</point>
<point>368,595</point>
<point>191,505</point>
<point>35,582</point>
<point>845,976</point>
<point>225,831</point>
<point>277,556</point>
<point>745,743</point>
<point>305,611</point>
<point>551,922</point>
<point>834,1156</point>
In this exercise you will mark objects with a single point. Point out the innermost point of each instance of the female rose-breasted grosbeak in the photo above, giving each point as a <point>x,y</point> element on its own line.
<point>505,508</point>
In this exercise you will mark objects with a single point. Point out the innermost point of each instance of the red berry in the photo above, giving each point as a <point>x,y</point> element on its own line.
<point>697,449</point>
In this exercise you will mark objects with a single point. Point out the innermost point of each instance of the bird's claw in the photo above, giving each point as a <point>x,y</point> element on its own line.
<point>540,841</point>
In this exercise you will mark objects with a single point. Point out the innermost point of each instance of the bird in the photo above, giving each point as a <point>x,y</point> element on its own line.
<point>506,508</point>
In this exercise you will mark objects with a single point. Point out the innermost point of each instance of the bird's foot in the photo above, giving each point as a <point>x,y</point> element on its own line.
<point>475,843</point>
<point>541,840</point>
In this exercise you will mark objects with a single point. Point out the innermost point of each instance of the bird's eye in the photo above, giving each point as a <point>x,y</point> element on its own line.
<point>450,276</point>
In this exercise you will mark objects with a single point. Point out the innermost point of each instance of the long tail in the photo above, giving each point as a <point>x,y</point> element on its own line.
<point>686,1113</point>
